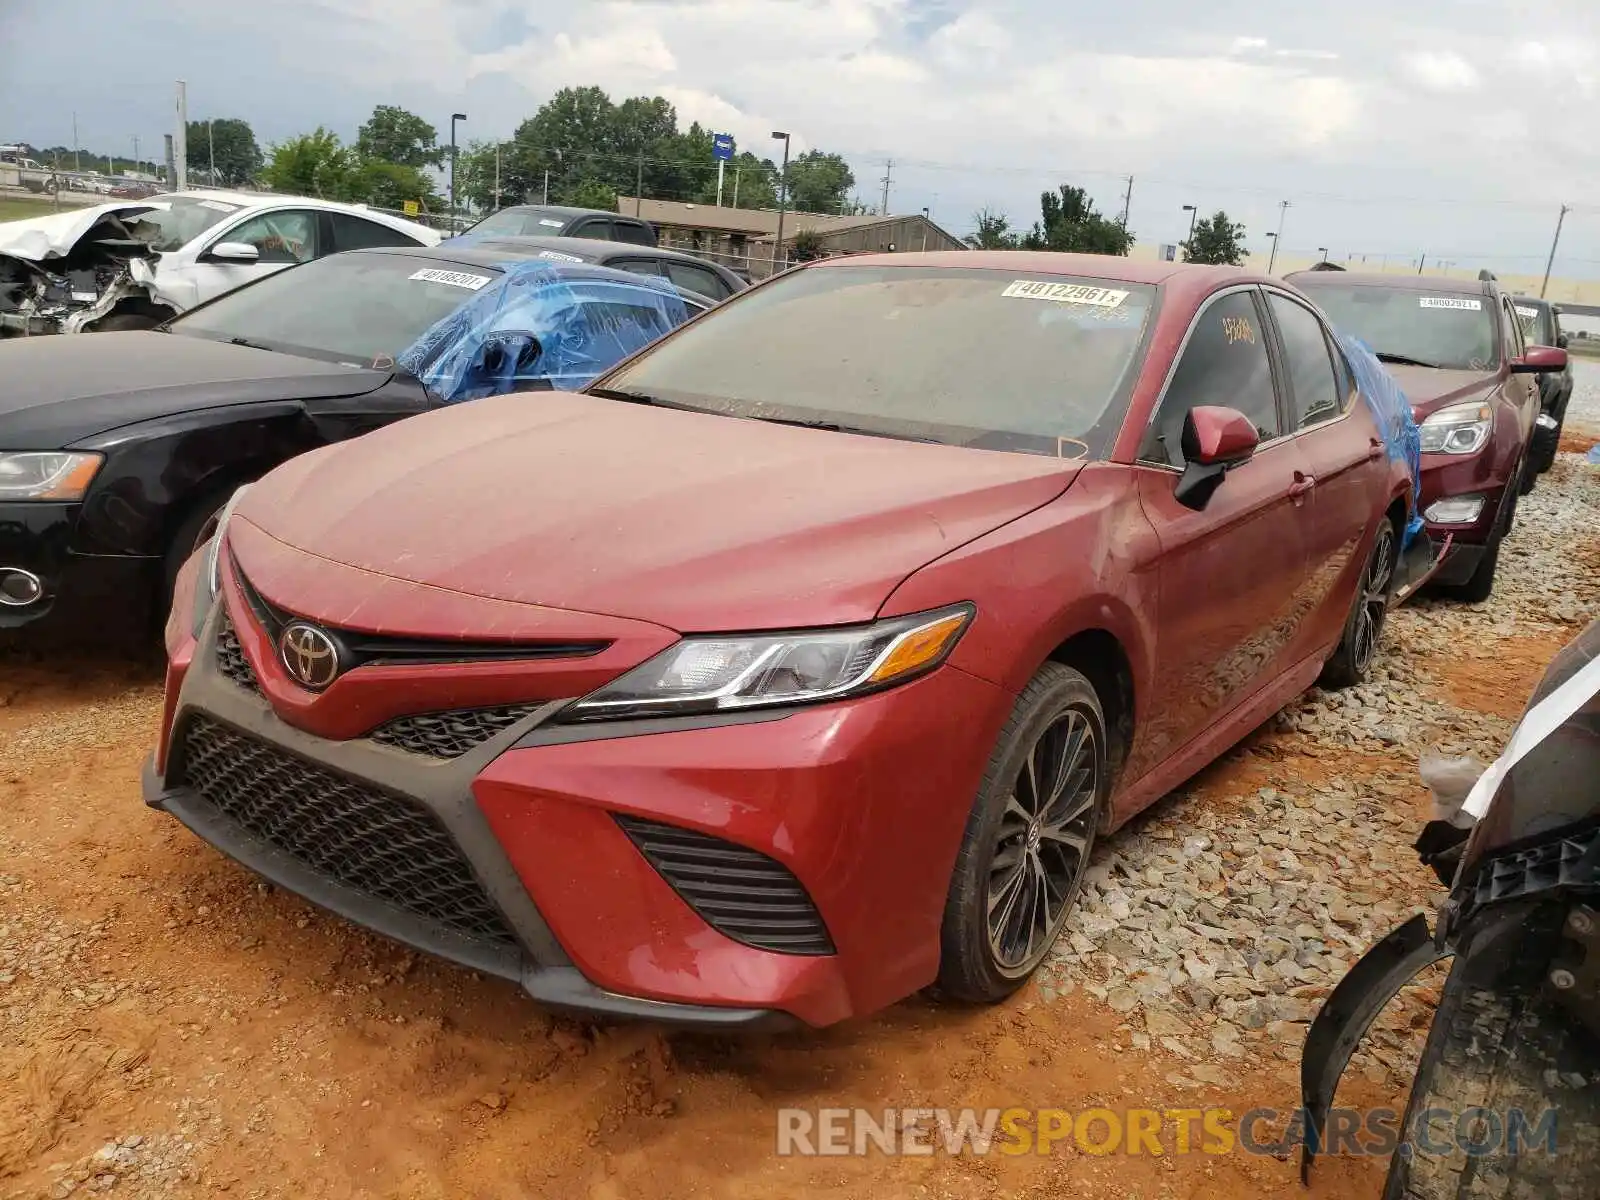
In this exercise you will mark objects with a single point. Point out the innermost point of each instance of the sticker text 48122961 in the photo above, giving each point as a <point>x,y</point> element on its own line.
<point>1065,293</point>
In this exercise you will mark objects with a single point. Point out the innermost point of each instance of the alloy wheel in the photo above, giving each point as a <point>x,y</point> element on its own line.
<point>1046,833</point>
<point>1373,603</point>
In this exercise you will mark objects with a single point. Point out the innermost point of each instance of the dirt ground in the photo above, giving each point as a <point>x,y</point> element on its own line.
<point>171,1026</point>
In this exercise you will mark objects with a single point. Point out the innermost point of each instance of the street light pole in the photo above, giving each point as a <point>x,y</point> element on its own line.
<point>454,117</point>
<point>1283,211</point>
<point>1322,250</point>
<point>1551,261</point>
<point>783,197</point>
<point>925,218</point>
<point>1193,211</point>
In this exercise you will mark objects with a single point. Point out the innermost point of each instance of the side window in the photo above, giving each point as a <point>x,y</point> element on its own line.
<point>595,228</point>
<point>639,266</point>
<point>634,232</point>
<point>1514,343</point>
<point>289,236</point>
<point>357,233</point>
<point>1314,388</point>
<point>1225,364</point>
<point>697,279</point>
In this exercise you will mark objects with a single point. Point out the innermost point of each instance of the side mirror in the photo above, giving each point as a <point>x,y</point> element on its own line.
<point>240,252</point>
<point>1214,440</point>
<point>1537,360</point>
<point>1561,340</point>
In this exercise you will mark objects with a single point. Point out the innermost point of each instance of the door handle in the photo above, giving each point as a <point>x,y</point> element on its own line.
<point>1302,484</point>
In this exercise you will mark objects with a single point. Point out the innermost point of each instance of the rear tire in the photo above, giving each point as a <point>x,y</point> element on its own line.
<point>1363,628</point>
<point>1027,843</point>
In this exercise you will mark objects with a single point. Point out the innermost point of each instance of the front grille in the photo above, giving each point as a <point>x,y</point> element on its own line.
<point>739,892</point>
<point>450,734</point>
<point>373,841</point>
<point>230,657</point>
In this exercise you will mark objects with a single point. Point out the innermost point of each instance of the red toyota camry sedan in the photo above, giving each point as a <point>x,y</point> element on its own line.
<point>797,664</point>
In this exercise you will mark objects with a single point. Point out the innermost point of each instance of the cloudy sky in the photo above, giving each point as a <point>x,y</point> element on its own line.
<point>1457,128</point>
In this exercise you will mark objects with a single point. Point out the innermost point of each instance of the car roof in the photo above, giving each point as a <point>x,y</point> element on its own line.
<point>1399,283</point>
<point>585,248</point>
<point>565,210</point>
<point>1533,301</point>
<point>262,199</point>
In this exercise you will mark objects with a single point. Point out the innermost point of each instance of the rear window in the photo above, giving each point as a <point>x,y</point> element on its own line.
<point>1039,364</point>
<point>1432,326</point>
<point>520,222</point>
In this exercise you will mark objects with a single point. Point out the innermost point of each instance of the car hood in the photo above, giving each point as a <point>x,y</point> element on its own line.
<point>55,391</point>
<point>1431,388</point>
<point>39,238</point>
<point>688,520</point>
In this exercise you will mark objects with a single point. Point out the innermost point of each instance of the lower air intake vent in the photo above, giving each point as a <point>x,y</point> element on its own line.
<point>450,734</point>
<point>739,892</point>
<point>372,841</point>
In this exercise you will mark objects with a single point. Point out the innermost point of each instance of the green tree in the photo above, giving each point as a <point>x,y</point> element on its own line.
<point>232,142</point>
<point>593,193</point>
<point>805,246</point>
<point>819,182</point>
<point>754,179</point>
<point>993,232</point>
<point>313,164</point>
<point>475,176</point>
<point>394,135</point>
<point>1216,240</point>
<point>1070,222</point>
<point>390,185</point>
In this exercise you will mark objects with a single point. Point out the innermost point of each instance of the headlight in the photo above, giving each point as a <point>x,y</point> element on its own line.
<point>209,581</point>
<point>46,475</point>
<point>1459,429</point>
<point>722,674</point>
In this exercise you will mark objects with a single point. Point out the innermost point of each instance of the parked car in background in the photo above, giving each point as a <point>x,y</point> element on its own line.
<point>1458,352</point>
<point>133,266</point>
<point>686,271</point>
<point>117,451</point>
<point>1541,326</point>
<point>557,220</point>
<point>797,662</point>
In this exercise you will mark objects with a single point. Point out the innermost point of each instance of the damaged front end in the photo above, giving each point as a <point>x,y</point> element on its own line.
<point>62,276</point>
<point>1520,1012</point>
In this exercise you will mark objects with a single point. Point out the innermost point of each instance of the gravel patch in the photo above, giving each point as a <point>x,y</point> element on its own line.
<point>1219,920</point>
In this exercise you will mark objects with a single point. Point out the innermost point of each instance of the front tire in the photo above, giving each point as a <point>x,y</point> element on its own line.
<point>1028,838</point>
<point>1363,628</point>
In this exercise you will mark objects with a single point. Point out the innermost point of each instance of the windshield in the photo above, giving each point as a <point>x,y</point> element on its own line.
<point>356,307</point>
<point>1041,364</point>
<point>1538,329</point>
<point>518,221</point>
<point>184,219</point>
<point>1426,325</point>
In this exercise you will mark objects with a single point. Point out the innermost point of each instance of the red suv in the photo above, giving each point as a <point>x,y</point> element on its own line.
<point>1457,350</point>
<point>798,664</point>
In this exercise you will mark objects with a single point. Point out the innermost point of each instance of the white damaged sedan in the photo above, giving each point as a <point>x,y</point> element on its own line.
<point>134,264</point>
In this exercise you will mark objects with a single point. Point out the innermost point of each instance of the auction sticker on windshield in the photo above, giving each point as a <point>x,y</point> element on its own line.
<point>559,257</point>
<point>1450,302</point>
<point>1524,311</point>
<point>1065,293</point>
<point>458,279</point>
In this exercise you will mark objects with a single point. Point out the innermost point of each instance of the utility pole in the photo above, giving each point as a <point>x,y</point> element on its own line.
<point>737,170</point>
<point>138,163</point>
<point>77,154</point>
<point>1127,203</point>
<point>180,142</point>
<point>783,200</point>
<point>546,186</point>
<point>638,183</point>
<point>211,152</point>
<point>888,173</point>
<point>1552,259</point>
<point>1283,211</point>
<point>497,177</point>
<point>1420,261</point>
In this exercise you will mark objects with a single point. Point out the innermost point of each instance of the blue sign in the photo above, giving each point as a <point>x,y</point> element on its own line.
<point>722,146</point>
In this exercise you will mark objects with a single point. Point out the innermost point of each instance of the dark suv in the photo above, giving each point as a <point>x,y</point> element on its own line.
<point>1541,326</point>
<point>556,220</point>
<point>1458,352</point>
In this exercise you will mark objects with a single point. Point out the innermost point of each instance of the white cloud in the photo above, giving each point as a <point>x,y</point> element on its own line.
<point>1441,70</point>
<point>1248,45</point>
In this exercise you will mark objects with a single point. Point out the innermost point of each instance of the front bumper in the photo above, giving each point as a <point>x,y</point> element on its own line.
<point>1445,476</point>
<point>99,595</point>
<point>863,804</point>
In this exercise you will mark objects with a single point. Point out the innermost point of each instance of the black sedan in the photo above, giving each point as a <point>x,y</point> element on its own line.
<point>117,451</point>
<point>688,272</point>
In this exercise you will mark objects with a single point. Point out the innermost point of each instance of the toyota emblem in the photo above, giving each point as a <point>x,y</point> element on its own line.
<point>309,654</point>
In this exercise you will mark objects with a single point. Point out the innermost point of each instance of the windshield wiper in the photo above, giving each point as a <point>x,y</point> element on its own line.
<point>1404,361</point>
<point>630,397</point>
<point>239,341</point>
<point>835,427</point>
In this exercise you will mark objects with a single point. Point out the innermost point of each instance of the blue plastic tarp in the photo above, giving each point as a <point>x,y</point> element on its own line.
<point>1392,411</point>
<point>542,323</point>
